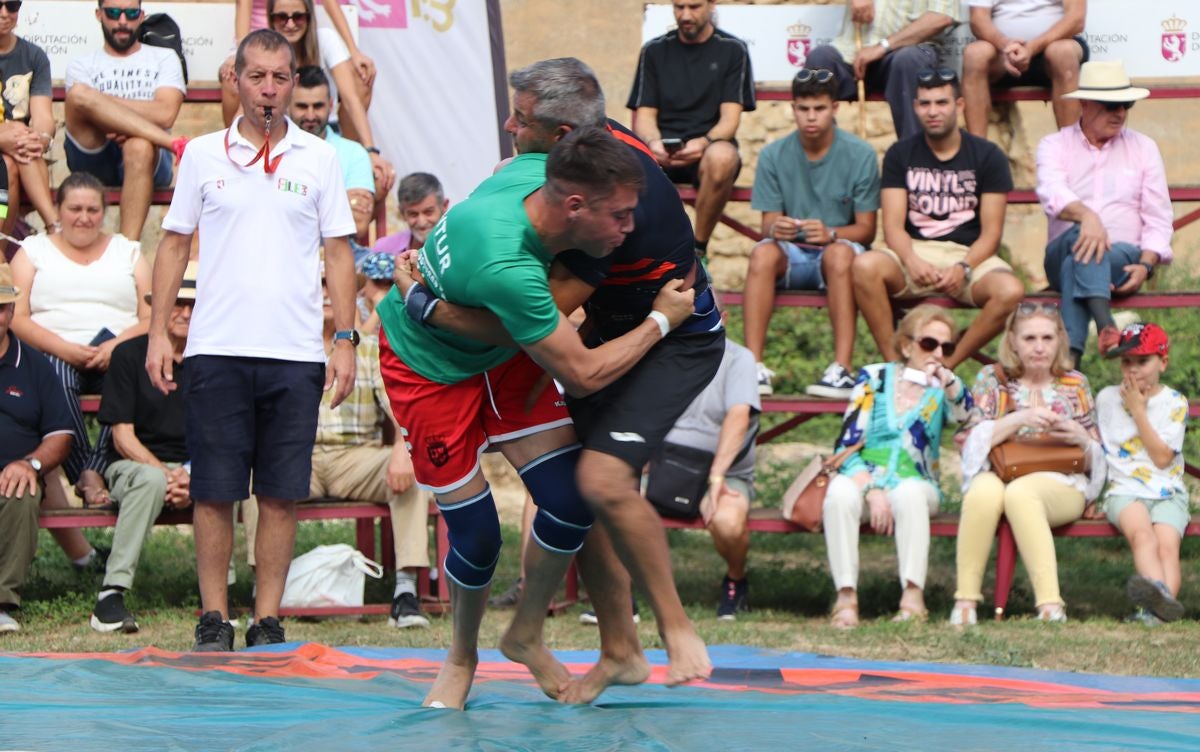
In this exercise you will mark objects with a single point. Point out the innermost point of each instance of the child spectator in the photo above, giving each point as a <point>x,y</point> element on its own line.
<point>1142,426</point>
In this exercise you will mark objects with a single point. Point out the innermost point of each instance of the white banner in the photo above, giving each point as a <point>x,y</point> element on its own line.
<point>1159,40</point>
<point>435,104</point>
<point>68,28</point>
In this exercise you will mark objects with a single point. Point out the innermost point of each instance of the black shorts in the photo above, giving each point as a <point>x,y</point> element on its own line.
<point>1038,73</point>
<point>629,418</point>
<point>690,174</point>
<point>251,414</point>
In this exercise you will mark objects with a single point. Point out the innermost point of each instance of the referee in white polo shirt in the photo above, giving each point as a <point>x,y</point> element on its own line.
<point>262,195</point>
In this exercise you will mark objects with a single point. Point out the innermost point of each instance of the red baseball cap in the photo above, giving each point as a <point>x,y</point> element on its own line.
<point>1141,339</point>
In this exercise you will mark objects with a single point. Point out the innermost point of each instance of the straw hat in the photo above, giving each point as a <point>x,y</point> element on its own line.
<point>1106,81</point>
<point>187,288</point>
<point>8,291</point>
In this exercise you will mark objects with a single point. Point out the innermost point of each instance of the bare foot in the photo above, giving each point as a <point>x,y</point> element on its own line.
<point>606,673</point>
<point>453,683</point>
<point>687,657</point>
<point>551,675</point>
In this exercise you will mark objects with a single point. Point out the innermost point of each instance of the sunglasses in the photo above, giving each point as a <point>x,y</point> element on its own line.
<point>929,75</point>
<point>112,14</point>
<point>1028,308</point>
<point>297,18</point>
<point>1114,106</point>
<point>929,344</point>
<point>820,74</point>
<point>12,6</point>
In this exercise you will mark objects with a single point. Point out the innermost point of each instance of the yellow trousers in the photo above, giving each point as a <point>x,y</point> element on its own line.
<point>1033,504</point>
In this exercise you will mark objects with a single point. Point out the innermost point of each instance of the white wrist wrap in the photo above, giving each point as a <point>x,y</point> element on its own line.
<point>660,318</point>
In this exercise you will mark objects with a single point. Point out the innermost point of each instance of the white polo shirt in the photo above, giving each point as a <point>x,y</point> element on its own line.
<point>258,286</point>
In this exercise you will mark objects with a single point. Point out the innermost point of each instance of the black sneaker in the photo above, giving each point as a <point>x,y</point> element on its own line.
<point>734,598</point>
<point>213,634</point>
<point>1153,596</point>
<point>507,599</point>
<point>98,563</point>
<point>406,612</point>
<point>110,615</point>
<point>265,631</point>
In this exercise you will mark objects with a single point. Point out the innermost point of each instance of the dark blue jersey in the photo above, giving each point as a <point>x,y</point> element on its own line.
<point>660,248</point>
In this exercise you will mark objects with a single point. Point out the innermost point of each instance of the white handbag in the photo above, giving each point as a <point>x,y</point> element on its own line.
<point>328,576</point>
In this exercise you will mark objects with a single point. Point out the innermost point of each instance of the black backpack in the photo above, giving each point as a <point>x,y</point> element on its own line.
<point>160,30</point>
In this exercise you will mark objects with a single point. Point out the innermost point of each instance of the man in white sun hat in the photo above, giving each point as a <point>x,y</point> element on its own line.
<point>1104,190</point>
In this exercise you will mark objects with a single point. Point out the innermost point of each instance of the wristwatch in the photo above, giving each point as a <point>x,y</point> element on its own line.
<point>347,334</point>
<point>885,44</point>
<point>832,235</point>
<point>1149,269</point>
<point>35,463</point>
<point>966,269</point>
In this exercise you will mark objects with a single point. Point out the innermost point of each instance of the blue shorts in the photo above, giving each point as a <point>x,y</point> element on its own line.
<point>108,163</point>
<point>804,264</point>
<point>246,415</point>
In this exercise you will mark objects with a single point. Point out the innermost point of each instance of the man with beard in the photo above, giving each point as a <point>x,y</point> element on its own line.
<point>943,197</point>
<point>621,425</point>
<point>121,103</point>
<point>310,110</point>
<point>688,95</point>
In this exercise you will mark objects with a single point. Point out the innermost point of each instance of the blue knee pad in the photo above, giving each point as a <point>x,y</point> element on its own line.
<point>474,540</point>
<point>563,518</point>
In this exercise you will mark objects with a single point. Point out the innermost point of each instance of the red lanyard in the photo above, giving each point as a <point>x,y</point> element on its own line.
<point>264,152</point>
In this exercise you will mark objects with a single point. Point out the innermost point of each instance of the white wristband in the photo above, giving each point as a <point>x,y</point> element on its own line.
<point>660,318</point>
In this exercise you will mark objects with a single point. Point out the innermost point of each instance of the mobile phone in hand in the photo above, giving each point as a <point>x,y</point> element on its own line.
<point>672,145</point>
<point>102,336</point>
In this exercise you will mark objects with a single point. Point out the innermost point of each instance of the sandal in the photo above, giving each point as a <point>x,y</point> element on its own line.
<point>845,616</point>
<point>964,617</point>
<point>911,614</point>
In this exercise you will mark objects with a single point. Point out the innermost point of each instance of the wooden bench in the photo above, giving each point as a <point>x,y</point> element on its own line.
<point>783,93</point>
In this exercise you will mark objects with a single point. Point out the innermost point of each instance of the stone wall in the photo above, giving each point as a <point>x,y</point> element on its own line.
<point>607,35</point>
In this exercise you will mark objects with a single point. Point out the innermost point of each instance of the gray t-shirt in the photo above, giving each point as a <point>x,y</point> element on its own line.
<point>736,383</point>
<point>832,189</point>
<point>25,73</point>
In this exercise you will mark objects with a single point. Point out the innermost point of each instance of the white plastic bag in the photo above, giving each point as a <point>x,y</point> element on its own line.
<point>328,576</point>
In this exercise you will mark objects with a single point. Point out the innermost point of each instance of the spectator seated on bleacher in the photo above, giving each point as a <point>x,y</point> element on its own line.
<point>85,297</point>
<point>721,423</point>
<point>944,196</point>
<point>691,87</point>
<point>28,125</point>
<point>422,202</point>
<point>1142,424</point>
<point>35,422</point>
<point>148,462</point>
<point>818,191</point>
<point>895,417</point>
<point>1104,190</point>
<point>351,95</point>
<point>1037,396</point>
<point>1023,43</point>
<point>350,461</point>
<point>310,109</point>
<point>899,38</point>
<point>121,103</point>
<point>377,271</point>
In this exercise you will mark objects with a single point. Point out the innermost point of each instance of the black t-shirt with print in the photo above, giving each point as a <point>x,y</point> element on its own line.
<point>129,397</point>
<point>943,196</point>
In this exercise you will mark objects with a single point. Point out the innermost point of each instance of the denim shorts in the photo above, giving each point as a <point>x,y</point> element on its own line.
<point>245,415</point>
<point>804,264</point>
<point>1173,510</point>
<point>108,163</point>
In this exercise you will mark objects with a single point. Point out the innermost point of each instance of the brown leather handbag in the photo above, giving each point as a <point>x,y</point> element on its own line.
<point>1018,457</point>
<point>804,500</point>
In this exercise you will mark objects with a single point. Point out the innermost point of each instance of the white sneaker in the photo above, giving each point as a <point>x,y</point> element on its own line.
<point>764,380</point>
<point>8,624</point>
<point>836,383</point>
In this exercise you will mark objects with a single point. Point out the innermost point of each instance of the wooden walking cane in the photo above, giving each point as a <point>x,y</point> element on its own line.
<point>862,87</point>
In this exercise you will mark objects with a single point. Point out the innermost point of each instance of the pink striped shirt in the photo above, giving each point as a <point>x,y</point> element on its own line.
<point>1123,181</point>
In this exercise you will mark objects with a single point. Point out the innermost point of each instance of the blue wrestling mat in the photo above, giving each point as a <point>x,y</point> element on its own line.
<point>312,697</point>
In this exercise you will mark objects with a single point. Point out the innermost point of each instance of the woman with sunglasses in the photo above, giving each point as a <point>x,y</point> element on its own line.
<point>1032,392</point>
<point>895,416</point>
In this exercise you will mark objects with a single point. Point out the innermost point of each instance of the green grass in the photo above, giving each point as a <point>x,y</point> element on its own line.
<point>791,594</point>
